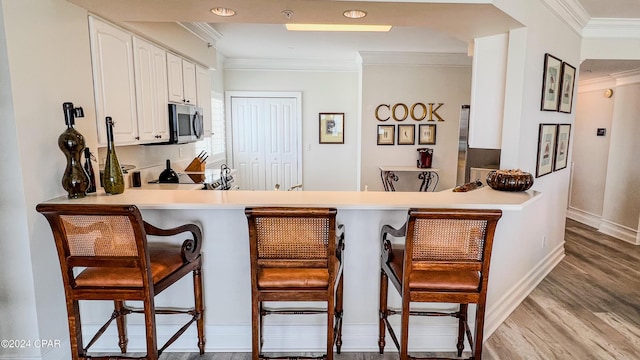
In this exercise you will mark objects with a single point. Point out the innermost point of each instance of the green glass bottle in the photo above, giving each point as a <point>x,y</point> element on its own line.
<point>113,180</point>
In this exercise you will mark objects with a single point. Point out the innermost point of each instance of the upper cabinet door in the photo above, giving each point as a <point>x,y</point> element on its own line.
<point>151,91</point>
<point>203,84</point>
<point>111,51</point>
<point>174,74</point>
<point>189,82</point>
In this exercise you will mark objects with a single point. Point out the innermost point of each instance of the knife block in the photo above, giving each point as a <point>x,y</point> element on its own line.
<point>196,165</point>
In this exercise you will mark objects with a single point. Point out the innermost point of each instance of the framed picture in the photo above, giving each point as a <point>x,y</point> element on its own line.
<point>331,128</point>
<point>386,134</point>
<point>406,134</point>
<point>427,134</point>
<point>562,146</point>
<point>566,86</point>
<point>546,149</point>
<point>551,83</point>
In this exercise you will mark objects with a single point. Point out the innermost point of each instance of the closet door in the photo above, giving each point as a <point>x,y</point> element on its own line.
<point>265,137</point>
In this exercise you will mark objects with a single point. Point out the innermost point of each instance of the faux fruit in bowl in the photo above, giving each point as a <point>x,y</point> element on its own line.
<point>510,180</point>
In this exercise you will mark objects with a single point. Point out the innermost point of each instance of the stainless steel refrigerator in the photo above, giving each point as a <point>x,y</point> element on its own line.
<point>468,158</point>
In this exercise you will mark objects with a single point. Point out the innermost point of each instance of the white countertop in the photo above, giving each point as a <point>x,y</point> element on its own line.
<point>365,200</point>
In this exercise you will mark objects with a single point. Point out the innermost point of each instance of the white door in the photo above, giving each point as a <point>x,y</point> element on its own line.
<point>266,141</point>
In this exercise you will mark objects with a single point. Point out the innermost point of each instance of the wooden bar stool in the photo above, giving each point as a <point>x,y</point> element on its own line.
<point>110,242</point>
<point>296,255</point>
<point>445,259</point>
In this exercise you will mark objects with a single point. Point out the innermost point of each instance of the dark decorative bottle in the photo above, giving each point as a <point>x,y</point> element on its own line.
<point>89,169</point>
<point>112,180</point>
<point>74,180</point>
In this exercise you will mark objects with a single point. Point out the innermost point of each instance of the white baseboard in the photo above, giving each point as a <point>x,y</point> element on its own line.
<point>620,232</point>
<point>584,217</point>
<point>501,310</point>
<point>607,227</point>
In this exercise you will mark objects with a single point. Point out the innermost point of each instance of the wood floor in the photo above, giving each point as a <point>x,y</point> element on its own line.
<point>587,308</point>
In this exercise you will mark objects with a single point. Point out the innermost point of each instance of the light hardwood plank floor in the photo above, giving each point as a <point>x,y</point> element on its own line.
<point>588,307</point>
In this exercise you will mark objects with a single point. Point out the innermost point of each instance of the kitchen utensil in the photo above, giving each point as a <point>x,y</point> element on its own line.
<point>168,176</point>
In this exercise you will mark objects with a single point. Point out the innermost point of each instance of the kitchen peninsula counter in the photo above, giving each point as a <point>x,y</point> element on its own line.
<point>146,198</point>
<point>518,263</point>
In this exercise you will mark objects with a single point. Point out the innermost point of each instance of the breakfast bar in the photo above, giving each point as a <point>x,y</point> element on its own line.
<point>226,265</point>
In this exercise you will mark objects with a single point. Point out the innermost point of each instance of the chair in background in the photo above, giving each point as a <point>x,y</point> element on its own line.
<point>445,259</point>
<point>296,255</point>
<point>110,242</point>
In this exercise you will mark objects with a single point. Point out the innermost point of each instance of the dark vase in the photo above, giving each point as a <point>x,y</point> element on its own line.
<point>89,169</point>
<point>112,179</point>
<point>75,179</point>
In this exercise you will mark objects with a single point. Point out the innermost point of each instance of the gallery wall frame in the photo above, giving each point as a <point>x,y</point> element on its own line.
<point>562,146</point>
<point>386,135</point>
<point>427,134</point>
<point>331,128</point>
<point>406,134</point>
<point>566,88</point>
<point>551,83</point>
<point>546,149</point>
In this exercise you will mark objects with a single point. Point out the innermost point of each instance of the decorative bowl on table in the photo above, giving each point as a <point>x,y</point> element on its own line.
<point>509,180</point>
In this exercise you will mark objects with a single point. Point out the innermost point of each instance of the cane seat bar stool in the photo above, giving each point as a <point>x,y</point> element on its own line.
<point>107,246</point>
<point>445,258</point>
<point>296,255</point>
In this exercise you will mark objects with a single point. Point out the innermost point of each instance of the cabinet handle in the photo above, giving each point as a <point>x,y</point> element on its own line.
<point>159,136</point>
<point>137,137</point>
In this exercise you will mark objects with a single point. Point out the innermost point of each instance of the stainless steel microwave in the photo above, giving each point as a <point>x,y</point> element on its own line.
<point>185,124</point>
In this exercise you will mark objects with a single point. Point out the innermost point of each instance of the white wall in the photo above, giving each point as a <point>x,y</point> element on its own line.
<point>48,65</point>
<point>17,294</point>
<point>590,152</point>
<point>410,83</point>
<point>324,166</point>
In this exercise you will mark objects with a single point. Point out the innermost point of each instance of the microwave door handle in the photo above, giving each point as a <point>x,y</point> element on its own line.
<point>197,125</point>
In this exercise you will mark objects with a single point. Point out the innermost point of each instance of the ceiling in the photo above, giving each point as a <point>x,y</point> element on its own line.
<point>257,30</point>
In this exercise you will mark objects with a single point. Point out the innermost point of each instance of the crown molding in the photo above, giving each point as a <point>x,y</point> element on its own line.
<point>627,77</point>
<point>204,31</point>
<point>612,28</point>
<point>571,11</point>
<point>417,59</point>
<point>596,84</point>
<point>292,64</point>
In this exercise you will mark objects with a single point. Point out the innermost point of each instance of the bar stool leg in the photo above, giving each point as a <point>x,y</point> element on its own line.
<point>477,351</point>
<point>404,335</point>
<point>330,319</point>
<point>121,322</point>
<point>384,289</point>
<point>199,303</point>
<point>462,319</point>
<point>256,324</point>
<point>339,311</point>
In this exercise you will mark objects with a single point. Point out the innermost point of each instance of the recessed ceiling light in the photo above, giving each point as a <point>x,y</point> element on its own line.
<point>221,11</point>
<point>354,14</point>
<point>336,27</point>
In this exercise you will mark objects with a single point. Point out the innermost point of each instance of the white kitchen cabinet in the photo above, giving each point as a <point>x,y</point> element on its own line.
<point>181,80</point>
<point>150,64</point>
<point>189,82</point>
<point>114,81</point>
<point>203,95</point>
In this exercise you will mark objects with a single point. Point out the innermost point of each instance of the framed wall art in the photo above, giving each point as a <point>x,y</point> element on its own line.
<point>562,146</point>
<point>331,129</point>
<point>386,134</point>
<point>427,134</point>
<point>566,86</point>
<point>551,83</point>
<point>406,134</point>
<point>546,149</point>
